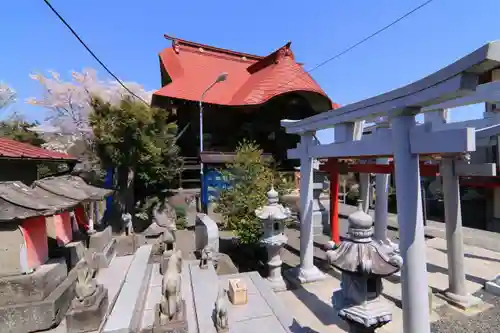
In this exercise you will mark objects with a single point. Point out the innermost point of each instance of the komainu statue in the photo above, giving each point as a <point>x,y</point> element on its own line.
<point>206,257</point>
<point>86,286</point>
<point>127,224</point>
<point>220,314</point>
<point>170,305</point>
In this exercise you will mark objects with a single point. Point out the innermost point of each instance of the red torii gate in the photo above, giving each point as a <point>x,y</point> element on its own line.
<point>333,167</point>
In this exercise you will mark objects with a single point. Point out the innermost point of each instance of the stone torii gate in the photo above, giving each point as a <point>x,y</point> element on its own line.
<point>405,142</point>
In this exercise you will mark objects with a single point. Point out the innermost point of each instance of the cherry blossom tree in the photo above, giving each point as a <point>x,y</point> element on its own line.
<point>7,95</point>
<point>68,103</point>
<point>66,128</point>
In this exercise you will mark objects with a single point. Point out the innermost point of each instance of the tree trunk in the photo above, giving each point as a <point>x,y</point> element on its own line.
<point>126,202</point>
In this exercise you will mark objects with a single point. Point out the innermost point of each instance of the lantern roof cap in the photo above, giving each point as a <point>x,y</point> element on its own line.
<point>273,210</point>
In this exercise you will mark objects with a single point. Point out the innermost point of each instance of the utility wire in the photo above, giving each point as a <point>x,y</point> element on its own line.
<point>350,48</point>
<point>102,64</point>
<point>92,53</point>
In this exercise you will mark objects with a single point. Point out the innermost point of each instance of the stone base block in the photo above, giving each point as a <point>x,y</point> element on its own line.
<point>39,315</point>
<point>103,259</point>
<point>297,276</point>
<point>80,319</point>
<point>176,325</point>
<point>33,287</point>
<point>99,240</point>
<point>128,244</point>
<point>72,252</point>
<point>277,284</point>
<point>493,286</point>
<point>463,302</point>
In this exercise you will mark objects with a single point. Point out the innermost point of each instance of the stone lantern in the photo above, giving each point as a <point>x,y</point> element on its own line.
<point>273,216</point>
<point>363,263</point>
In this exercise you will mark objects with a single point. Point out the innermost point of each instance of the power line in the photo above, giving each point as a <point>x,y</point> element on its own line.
<point>350,48</point>
<point>92,53</point>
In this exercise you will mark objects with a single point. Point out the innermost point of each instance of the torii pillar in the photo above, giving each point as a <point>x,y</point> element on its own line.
<point>414,286</point>
<point>306,272</point>
<point>382,199</point>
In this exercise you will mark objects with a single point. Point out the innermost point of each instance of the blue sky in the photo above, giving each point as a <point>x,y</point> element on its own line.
<point>127,35</point>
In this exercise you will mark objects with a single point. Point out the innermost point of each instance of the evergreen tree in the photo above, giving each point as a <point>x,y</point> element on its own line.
<point>138,141</point>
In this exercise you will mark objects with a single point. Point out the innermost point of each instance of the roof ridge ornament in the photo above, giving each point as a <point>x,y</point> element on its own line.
<point>176,46</point>
<point>284,52</point>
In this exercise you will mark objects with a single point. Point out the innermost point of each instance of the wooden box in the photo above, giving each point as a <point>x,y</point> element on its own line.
<point>237,292</point>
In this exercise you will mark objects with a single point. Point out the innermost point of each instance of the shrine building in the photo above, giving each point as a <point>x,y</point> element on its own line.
<point>257,93</point>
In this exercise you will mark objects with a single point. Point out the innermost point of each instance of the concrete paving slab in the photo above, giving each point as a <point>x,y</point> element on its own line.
<point>256,307</point>
<point>251,288</point>
<point>262,324</point>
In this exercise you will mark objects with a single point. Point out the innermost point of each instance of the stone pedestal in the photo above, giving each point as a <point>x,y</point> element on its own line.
<point>164,325</point>
<point>493,286</point>
<point>128,244</point>
<point>36,301</point>
<point>72,252</point>
<point>104,245</point>
<point>87,317</point>
<point>298,276</point>
<point>365,318</point>
<point>275,278</point>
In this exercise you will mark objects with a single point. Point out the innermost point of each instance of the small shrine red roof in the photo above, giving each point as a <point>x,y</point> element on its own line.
<point>188,68</point>
<point>11,149</point>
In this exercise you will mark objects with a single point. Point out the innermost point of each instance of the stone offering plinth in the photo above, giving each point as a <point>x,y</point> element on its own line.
<point>87,316</point>
<point>36,301</point>
<point>104,245</point>
<point>238,293</point>
<point>128,244</point>
<point>164,325</point>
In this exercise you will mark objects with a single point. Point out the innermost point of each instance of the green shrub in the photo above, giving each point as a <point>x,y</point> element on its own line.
<point>250,177</point>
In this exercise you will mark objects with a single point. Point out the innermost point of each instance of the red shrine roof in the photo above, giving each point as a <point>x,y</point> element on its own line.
<point>11,149</point>
<point>188,68</point>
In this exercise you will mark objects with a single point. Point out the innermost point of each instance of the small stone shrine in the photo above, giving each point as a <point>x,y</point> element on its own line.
<point>35,291</point>
<point>89,306</point>
<point>363,263</point>
<point>88,221</point>
<point>273,217</point>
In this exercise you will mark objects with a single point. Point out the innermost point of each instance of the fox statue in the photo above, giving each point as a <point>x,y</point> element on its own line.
<point>170,305</point>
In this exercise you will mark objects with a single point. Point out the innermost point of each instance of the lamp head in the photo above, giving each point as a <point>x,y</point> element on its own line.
<point>222,77</point>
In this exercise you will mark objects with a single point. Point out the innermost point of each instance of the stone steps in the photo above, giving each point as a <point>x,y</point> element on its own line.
<point>126,313</point>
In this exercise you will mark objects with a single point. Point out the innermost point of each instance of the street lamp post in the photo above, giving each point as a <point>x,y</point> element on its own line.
<point>222,77</point>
